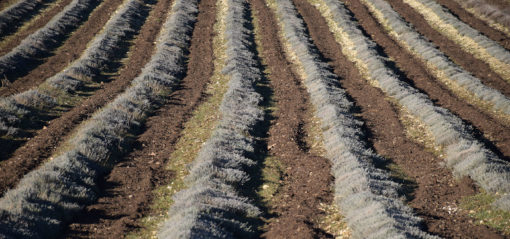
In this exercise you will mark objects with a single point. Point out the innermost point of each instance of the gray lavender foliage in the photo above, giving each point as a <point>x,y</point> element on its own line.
<point>488,10</point>
<point>431,55</point>
<point>367,197</point>
<point>213,205</point>
<point>18,109</point>
<point>490,46</point>
<point>48,197</point>
<point>13,16</point>
<point>464,154</point>
<point>105,48</point>
<point>46,39</point>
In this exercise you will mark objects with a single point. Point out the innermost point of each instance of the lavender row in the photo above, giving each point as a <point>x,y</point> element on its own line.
<point>366,195</point>
<point>13,16</point>
<point>463,153</point>
<point>43,41</point>
<point>47,198</point>
<point>213,206</point>
<point>469,39</point>
<point>17,110</point>
<point>454,77</point>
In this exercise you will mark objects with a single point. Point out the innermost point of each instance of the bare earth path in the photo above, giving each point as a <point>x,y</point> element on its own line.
<point>307,178</point>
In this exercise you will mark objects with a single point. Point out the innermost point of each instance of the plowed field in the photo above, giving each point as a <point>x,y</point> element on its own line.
<point>255,118</point>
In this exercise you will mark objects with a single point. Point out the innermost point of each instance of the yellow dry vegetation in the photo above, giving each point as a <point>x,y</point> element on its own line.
<point>479,207</point>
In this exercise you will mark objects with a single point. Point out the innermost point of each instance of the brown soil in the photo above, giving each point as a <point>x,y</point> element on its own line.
<point>44,18</point>
<point>127,199</point>
<point>68,52</point>
<point>307,178</point>
<point>498,133</point>
<point>476,67</point>
<point>476,23</point>
<point>435,189</point>
<point>499,3</point>
<point>47,140</point>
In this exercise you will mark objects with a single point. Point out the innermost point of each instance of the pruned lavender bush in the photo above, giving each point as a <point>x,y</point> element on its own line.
<point>13,16</point>
<point>462,151</point>
<point>469,39</point>
<point>43,41</point>
<point>106,47</point>
<point>19,109</point>
<point>213,205</point>
<point>48,197</point>
<point>435,60</point>
<point>366,195</point>
<point>8,123</point>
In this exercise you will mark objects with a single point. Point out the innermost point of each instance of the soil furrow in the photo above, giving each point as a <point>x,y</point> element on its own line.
<point>496,134</point>
<point>47,140</point>
<point>307,179</point>
<point>467,61</point>
<point>476,23</point>
<point>124,199</point>
<point>434,190</point>
<point>14,39</point>
<point>71,50</point>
